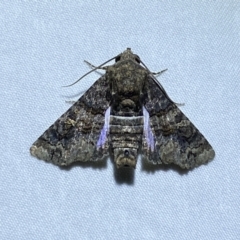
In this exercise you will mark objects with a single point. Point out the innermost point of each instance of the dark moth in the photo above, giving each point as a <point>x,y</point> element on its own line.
<point>125,111</point>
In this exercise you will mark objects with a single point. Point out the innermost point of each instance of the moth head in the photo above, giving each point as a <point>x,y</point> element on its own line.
<point>128,55</point>
<point>125,157</point>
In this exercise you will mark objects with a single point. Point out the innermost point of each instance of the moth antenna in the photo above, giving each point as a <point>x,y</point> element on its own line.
<point>159,84</point>
<point>90,72</point>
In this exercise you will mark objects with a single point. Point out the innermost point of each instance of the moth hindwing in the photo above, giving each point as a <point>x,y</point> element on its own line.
<point>125,111</point>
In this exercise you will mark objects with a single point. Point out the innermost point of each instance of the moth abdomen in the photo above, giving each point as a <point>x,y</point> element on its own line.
<point>126,136</point>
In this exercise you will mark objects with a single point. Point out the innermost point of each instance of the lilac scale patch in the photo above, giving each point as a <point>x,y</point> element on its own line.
<point>103,136</point>
<point>147,130</point>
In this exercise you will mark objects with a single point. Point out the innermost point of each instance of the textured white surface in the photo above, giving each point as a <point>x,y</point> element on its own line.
<point>43,45</point>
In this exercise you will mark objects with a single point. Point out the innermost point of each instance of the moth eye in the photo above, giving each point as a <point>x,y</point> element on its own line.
<point>117,58</point>
<point>137,59</point>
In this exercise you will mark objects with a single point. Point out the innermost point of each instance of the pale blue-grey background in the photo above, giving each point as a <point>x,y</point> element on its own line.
<point>42,47</point>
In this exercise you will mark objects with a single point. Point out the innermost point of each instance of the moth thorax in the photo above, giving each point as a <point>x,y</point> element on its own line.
<point>125,157</point>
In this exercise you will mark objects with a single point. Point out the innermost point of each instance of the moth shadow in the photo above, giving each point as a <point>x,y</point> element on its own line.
<point>124,175</point>
<point>152,168</point>
<point>73,96</point>
<point>91,164</point>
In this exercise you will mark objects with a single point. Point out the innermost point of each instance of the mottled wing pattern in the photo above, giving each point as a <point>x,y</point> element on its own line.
<point>74,136</point>
<point>176,139</point>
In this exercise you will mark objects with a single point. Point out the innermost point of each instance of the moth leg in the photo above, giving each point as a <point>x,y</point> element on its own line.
<point>70,102</point>
<point>159,73</point>
<point>93,66</point>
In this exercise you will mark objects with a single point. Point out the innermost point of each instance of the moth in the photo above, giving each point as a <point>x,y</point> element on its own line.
<point>125,112</point>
